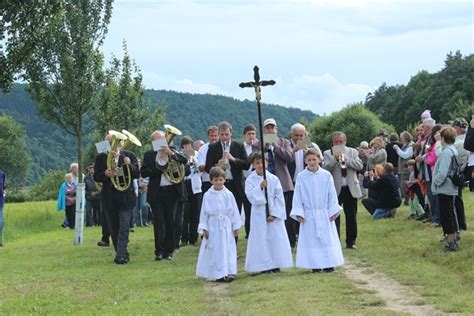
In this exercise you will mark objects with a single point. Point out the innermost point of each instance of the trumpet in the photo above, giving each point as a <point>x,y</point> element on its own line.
<point>123,176</point>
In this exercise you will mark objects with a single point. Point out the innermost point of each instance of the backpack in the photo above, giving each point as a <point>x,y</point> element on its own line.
<point>455,173</point>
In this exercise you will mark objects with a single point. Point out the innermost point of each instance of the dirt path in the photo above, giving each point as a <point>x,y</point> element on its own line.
<point>397,297</point>
<point>217,297</point>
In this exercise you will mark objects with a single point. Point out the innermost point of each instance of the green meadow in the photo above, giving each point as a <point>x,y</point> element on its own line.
<point>42,272</point>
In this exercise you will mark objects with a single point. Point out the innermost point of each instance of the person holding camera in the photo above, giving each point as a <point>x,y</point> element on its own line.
<point>343,162</point>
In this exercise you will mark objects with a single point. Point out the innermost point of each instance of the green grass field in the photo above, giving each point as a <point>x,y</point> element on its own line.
<point>41,272</point>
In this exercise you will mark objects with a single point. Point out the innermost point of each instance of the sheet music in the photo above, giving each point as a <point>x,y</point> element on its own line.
<point>102,147</point>
<point>159,143</point>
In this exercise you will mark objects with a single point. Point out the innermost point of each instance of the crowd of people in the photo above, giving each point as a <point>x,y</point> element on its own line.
<point>292,195</point>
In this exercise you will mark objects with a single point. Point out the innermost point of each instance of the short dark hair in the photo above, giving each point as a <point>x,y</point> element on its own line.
<point>255,156</point>
<point>248,128</point>
<point>212,128</point>
<point>394,137</point>
<point>388,168</point>
<point>224,125</point>
<point>186,140</point>
<point>216,172</point>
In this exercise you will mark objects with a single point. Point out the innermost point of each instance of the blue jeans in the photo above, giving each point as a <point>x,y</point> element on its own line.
<point>1,225</point>
<point>434,204</point>
<point>140,212</point>
<point>382,213</point>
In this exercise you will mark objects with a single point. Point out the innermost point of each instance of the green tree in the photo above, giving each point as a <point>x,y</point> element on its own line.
<point>356,121</point>
<point>65,75</point>
<point>14,159</point>
<point>23,27</point>
<point>122,103</point>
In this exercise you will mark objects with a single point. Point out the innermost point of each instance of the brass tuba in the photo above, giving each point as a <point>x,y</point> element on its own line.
<point>123,176</point>
<point>174,171</point>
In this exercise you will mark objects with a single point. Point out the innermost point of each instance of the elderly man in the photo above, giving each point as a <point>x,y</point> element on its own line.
<point>299,135</point>
<point>343,162</point>
<point>163,196</point>
<point>280,154</point>
<point>92,198</point>
<point>118,204</point>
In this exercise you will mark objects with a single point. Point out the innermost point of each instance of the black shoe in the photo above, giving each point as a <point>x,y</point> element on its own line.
<point>63,225</point>
<point>1,245</point>
<point>230,278</point>
<point>168,258</point>
<point>277,270</point>
<point>351,247</point>
<point>329,270</point>
<point>422,217</point>
<point>158,257</point>
<point>103,244</point>
<point>317,270</point>
<point>449,248</point>
<point>120,260</point>
<point>221,279</point>
<point>266,272</point>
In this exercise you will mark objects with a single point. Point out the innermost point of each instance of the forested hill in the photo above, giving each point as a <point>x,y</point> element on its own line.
<point>193,113</point>
<point>51,148</point>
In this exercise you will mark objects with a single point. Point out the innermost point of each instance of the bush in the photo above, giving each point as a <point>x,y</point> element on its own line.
<point>48,189</point>
<point>356,121</point>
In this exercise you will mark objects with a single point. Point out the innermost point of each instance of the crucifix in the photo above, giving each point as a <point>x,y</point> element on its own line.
<point>257,84</point>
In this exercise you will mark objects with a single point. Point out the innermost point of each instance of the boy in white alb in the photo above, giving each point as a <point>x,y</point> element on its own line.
<point>316,207</point>
<point>268,247</point>
<point>219,223</point>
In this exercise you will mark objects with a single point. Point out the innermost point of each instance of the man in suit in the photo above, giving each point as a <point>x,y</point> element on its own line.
<point>232,157</point>
<point>118,205</point>
<point>343,162</point>
<point>250,138</point>
<point>280,154</point>
<point>163,196</point>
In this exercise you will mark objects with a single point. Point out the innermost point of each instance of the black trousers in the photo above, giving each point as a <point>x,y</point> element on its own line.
<point>349,204</point>
<point>247,211</point>
<point>118,220</point>
<point>290,224</point>
<point>447,214</point>
<point>230,184</point>
<point>71,215</point>
<point>459,208</point>
<point>164,213</point>
<point>192,210</point>
<point>104,223</point>
<point>92,213</point>
<point>370,205</point>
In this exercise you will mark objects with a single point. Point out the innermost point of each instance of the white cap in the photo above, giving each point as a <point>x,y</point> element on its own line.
<point>269,121</point>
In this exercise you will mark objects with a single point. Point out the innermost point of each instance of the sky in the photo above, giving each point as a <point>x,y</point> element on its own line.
<point>323,54</point>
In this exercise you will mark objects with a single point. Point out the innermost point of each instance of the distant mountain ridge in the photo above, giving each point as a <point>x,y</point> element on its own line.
<point>51,148</point>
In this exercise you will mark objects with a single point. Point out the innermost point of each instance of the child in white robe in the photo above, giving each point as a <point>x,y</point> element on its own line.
<point>316,207</point>
<point>219,223</point>
<point>268,247</point>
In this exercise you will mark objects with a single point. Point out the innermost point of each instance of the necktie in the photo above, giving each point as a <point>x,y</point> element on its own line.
<point>271,161</point>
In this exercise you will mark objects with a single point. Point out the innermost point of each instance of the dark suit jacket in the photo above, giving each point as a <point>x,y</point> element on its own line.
<point>214,154</point>
<point>126,198</point>
<point>469,140</point>
<point>149,169</point>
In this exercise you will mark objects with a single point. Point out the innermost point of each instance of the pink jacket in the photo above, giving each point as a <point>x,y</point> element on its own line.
<point>430,158</point>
